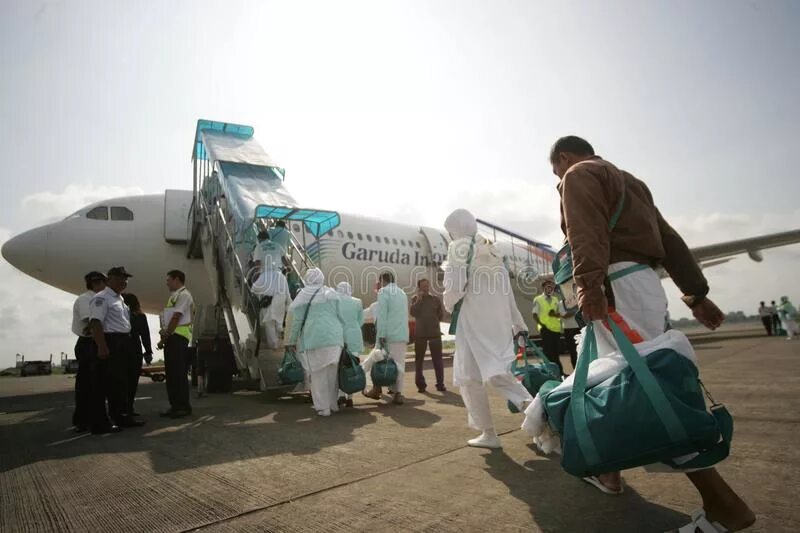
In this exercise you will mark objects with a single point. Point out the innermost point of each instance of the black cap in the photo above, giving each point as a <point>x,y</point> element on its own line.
<point>94,276</point>
<point>119,271</point>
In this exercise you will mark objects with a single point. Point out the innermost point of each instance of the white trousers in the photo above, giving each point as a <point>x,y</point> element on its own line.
<point>397,351</point>
<point>476,399</point>
<point>790,326</point>
<point>272,334</point>
<point>325,387</point>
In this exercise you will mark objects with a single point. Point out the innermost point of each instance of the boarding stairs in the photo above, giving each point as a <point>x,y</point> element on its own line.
<point>236,188</point>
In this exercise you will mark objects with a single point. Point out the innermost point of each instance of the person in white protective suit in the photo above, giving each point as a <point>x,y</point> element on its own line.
<point>487,322</point>
<point>353,312</point>
<point>271,286</point>
<point>317,335</point>
<point>392,334</point>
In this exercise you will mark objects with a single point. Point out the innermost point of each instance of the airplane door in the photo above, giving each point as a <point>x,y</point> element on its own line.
<point>437,243</point>
<point>177,205</point>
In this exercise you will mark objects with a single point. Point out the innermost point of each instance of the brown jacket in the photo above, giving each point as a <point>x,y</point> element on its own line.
<point>428,312</point>
<point>590,193</point>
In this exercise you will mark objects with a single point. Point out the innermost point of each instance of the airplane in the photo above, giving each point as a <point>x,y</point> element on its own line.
<point>152,234</point>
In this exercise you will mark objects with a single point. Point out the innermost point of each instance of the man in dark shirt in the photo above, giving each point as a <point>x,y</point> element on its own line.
<point>141,347</point>
<point>428,312</point>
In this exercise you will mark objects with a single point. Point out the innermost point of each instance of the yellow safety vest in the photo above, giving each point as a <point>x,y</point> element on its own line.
<point>184,331</point>
<point>553,323</point>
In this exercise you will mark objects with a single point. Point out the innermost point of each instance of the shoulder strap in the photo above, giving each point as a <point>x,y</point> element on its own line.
<point>308,308</point>
<point>469,260</point>
<point>618,212</point>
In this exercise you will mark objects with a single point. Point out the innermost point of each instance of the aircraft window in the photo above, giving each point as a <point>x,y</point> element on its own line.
<point>121,213</point>
<point>418,246</point>
<point>386,240</point>
<point>369,238</point>
<point>377,239</point>
<point>340,234</point>
<point>349,234</point>
<point>296,227</point>
<point>394,241</point>
<point>360,238</point>
<point>402,242</point>
<point>98,213</point>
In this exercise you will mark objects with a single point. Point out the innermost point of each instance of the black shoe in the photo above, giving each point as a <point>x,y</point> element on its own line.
<point>422,390</point>
<point>80,429</point>
<point>104,430</point>
<point>348,403</point>
<point>341,401</point>
<point>441,388</point>
<point>166,414</point>
<point>181,413</point>
<point>130,422</point>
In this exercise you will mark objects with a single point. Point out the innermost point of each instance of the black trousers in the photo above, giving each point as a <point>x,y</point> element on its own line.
<point>110,382</point>
<point>85,350</point>
<point>572,346</point>
<point>767,321</point>
<point>776,324</point>
<point>134,370</point>
<point>176,364</point>
<point>550,340</point>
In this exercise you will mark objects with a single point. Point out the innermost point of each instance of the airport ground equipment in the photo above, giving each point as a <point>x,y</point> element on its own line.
<point>156,373</point>
<point>34,368</point>
<point>238,191</point>
<point>70,366</point>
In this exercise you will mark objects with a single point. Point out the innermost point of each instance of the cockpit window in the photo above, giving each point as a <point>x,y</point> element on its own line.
<point>98,213</point>
<point>121,213</point>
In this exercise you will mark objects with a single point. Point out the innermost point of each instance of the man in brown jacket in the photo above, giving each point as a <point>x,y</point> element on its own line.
<point>592,192</point>
<point>428,312</point>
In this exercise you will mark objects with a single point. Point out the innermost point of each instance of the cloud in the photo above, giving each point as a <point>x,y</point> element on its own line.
<point>44,207</point>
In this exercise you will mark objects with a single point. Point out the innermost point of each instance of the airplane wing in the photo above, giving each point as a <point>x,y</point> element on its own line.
<point>710,254</point>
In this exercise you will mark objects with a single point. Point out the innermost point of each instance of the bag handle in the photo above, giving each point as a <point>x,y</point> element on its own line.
<point>666,414</point>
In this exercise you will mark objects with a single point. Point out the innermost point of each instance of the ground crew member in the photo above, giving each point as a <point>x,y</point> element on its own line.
<point>428,311</point>
<point>176,333</point>
<point>615,265</point>
<point>546,315</point>
<point>765,313</point>
<point>140,347</point>
<point>109,321</point>
<point>84,350</point>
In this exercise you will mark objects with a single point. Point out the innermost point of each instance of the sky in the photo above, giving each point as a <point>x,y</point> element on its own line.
<point>406,110</point>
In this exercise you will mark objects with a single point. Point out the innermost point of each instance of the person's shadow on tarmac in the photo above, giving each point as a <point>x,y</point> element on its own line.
<point>560,502</point>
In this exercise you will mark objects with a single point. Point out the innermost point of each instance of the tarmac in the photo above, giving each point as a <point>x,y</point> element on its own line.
<point>251,461</point>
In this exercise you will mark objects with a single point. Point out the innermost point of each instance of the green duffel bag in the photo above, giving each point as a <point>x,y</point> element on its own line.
<point>291,371</point>
<point>533,375</point>
<point>352,378</point>
<point>384,373</point>
<point>652,411</point>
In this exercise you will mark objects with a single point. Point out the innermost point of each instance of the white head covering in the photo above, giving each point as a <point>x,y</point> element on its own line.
<point>314,285</point>
<point>344,289</point>
<point>461,224</point>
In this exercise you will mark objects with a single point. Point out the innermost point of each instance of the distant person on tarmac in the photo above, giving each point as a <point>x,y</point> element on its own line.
<point>85,349</point>
<point>765,313</point>
<point>176,334</point>
<point>616,236</point>
<point>788,314</point>
<point>776,318</point>
<point>140,346</point>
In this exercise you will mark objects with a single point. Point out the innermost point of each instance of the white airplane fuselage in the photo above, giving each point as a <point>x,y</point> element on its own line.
<point>357,251</point>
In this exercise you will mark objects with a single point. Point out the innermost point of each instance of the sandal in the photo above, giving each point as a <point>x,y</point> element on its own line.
<point>701,524</point>
<point>595,481</point>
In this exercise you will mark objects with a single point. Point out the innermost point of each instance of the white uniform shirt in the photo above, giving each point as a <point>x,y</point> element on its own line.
<point>180,301</point>
<point>80,313</point>
<point>568,323</point>
<point>109,308</point>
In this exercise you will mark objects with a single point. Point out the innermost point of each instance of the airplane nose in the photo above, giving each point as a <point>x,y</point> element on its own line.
<point>27,251</point>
